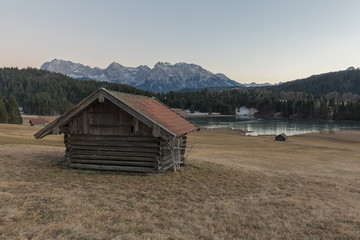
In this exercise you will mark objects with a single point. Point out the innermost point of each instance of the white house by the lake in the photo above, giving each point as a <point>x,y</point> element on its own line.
<point>244,111</point>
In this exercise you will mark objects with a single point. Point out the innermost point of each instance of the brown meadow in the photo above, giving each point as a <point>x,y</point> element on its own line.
<point>233,187</point>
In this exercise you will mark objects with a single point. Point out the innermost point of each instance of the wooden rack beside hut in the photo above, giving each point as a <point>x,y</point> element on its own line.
<point>117,131</point>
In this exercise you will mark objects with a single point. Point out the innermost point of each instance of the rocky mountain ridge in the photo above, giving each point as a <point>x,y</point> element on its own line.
<point>164,77</point>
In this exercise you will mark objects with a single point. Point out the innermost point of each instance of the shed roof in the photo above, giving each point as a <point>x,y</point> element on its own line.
<point>283,135</point>
<point>38,121</point>
<point>148,109</point>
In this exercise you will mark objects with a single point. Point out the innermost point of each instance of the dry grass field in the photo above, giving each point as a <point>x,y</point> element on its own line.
<point>234,187</point>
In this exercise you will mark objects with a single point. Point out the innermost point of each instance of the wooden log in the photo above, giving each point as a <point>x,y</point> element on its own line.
<point>164,169</point>
<point>169,157</point>
<point>76,156</point>
<point>115,138</point>
<point>166,162</point>
<point>111,167</point>
<point>116,163</point>
<point>114,143</point>
<point>111,153</point>
<point>165,156</point>
<point>115,149</point>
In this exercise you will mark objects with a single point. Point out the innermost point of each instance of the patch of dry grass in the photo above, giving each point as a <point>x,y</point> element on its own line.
<point>21,134</point>
<point>234,187</point>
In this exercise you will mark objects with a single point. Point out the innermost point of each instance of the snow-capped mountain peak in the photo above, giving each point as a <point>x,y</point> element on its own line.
<point>163,77</point>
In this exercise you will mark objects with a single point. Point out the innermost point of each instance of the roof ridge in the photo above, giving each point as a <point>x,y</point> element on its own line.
<point>129,94</point>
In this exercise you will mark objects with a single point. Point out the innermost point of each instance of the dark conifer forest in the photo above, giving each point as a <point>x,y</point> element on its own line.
<point>326,96</point>
<point>46,93</point>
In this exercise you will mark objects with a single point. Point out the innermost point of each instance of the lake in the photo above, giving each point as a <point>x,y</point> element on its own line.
<point>263,126</point>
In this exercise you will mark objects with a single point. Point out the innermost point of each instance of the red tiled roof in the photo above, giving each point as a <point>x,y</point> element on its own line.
<point>37,121</point>
<point>156,112</point>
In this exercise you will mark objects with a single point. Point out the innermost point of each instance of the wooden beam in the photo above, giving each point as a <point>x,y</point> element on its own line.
<point>111,153</point>
<point>110,167</point>
<point>119,158</point>
<point>115,163</point>
<point>67,116</point>
<point>164,169</point>
<point>165,163</point>
<point>114,144</point>
<point>114,138</point>
<point>116,149</point>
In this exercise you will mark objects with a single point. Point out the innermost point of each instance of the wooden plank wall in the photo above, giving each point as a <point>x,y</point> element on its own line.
<point>107,119</point>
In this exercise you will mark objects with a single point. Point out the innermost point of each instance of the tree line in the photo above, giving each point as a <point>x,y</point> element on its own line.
<point>268,103</point>
<point>46,93</point>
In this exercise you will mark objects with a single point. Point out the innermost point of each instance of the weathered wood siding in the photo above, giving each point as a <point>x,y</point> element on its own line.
<point>107,119</point>
<point>135,154</point>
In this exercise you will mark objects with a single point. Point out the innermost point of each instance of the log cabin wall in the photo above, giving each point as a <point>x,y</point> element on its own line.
<point>105,137</point>
<point>134,154</point>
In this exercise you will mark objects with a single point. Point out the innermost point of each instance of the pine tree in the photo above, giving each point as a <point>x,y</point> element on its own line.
<point>13,111</point>
<point>3,112</point>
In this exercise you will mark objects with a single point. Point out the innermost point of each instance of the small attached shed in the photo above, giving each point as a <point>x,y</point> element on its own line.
<point>282,137</point>
<point>117,131</point>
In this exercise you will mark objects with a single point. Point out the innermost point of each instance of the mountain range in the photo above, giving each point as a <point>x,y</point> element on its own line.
<point>164,77</point>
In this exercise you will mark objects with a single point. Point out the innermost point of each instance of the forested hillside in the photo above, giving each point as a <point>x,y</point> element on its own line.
<point>284,104</point>
<point>334,95</point>
<point>319,85</point>
<point>45,93</point>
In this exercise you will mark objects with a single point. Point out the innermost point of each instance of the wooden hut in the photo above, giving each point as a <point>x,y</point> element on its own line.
<point>37,122</point>
<point>282,137</point>
<point>117,131</point>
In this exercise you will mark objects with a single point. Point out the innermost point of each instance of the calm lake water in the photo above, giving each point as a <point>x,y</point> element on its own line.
<point>276,126</point>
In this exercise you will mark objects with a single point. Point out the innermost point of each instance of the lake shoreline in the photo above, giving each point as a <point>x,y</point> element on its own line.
<point>271,126</point>
<point>351,134</point>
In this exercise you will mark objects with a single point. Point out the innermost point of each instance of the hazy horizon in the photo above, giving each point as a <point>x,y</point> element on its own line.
<point>248,41</point>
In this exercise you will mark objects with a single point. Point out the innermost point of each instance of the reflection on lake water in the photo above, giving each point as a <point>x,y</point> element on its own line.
<point>276,126</point>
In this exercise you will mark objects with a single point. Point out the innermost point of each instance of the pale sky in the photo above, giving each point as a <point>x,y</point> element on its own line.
<point>249,41</point>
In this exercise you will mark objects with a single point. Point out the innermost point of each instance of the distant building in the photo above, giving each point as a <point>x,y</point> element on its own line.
<point>244,111</point>
<point>282,137</point>
<point>37,122</point>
